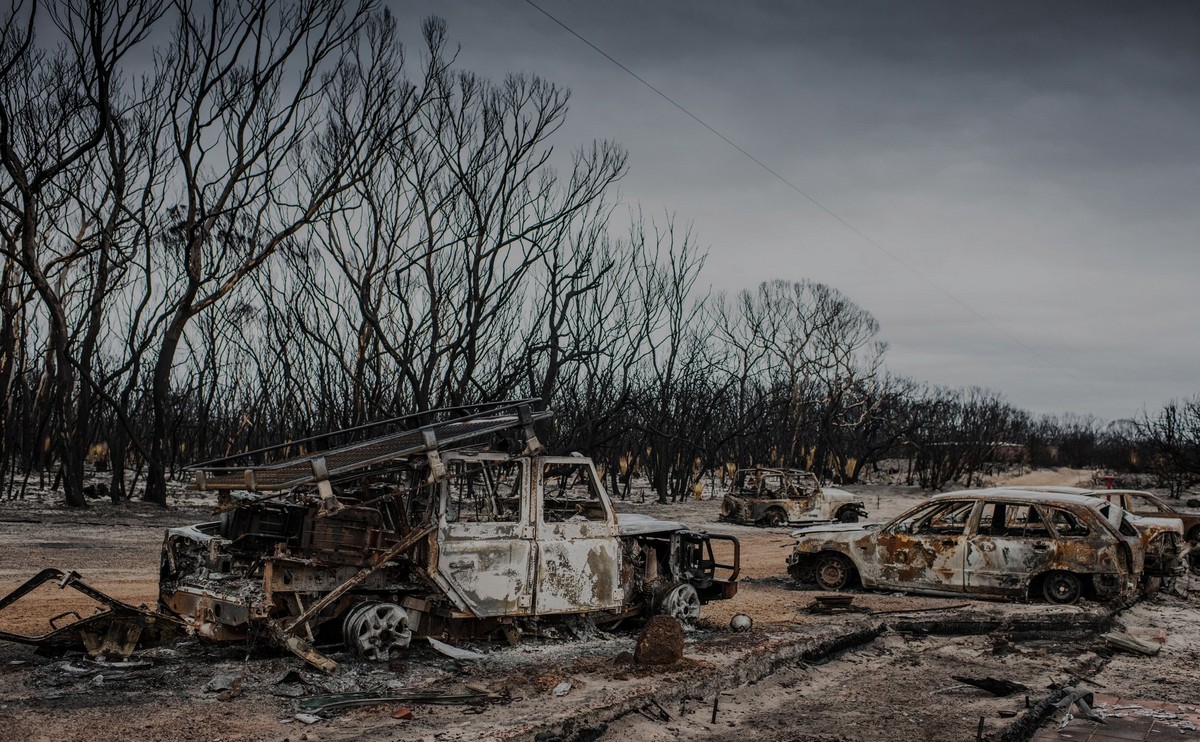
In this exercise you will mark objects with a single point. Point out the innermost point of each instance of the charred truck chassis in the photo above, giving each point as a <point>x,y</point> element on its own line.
<point>439,539</point>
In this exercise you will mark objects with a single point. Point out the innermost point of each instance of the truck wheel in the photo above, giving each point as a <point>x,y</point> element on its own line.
<point>833,571</point>
<point>682,603</point>
<point>774,517</point>
<point>373,630</point>
<point>848,515</point>
<point>1062,588</point>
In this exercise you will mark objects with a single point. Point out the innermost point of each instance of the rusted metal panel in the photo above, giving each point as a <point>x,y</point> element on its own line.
<point>485,563</point>
<point>487,577</point>
<point>932,562</point>
<point>578,551</point>
<point>577,575</point>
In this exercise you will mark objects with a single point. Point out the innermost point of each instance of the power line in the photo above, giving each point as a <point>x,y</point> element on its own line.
<point>866,238</point>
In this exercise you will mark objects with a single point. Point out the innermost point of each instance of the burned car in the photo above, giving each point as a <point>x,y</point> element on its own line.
<point>1148,505</point>
<point>778,497</point>
<point>455,529</point>
<point>1156,539</point>
<point>998,543</point>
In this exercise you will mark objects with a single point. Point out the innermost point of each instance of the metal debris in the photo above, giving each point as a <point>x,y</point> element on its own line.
<point>457,653</point>
<point>115,629</point>
<point>834,604</point>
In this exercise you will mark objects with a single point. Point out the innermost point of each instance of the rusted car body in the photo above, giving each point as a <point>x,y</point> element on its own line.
<point>1158,539</point>
<point>778,497</point>
<point>994,543</point>
<point>390,538</point>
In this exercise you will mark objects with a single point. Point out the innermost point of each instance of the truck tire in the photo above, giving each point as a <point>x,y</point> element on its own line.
<point>373,630</point>
<point>681,602</point>
<point>848,515</point>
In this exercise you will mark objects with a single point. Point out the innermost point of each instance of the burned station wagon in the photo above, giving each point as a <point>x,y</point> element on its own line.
<point>991,543</point>
<point>1156,539</point>
<point>455,529</point>
<point>777,497</point>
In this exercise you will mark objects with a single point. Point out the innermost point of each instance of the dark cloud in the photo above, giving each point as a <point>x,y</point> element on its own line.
<point>1038,160</point>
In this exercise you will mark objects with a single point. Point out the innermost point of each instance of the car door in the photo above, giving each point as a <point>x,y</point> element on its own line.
<point>926,550</point>
<point>578,549</point>
<point>1011,542</point>
<point>1146,506</point>
<point>485,558</point>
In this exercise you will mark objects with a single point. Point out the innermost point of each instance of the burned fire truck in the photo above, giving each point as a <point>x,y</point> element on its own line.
<point>458,527</point>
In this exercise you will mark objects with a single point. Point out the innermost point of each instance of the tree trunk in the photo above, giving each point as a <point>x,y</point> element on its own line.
<point>156,473</point>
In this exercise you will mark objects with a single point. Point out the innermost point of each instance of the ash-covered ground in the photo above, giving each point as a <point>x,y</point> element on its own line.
<point>876,673</point>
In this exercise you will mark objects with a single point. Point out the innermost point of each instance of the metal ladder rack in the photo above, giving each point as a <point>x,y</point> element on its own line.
<point>339,462</point>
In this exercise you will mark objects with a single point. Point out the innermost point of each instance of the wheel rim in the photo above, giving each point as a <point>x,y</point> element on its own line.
<point>831,573</point>
<point>1062,588</point>
<point>373,630</point>
<point>683,604</point>
<point>774,518</point>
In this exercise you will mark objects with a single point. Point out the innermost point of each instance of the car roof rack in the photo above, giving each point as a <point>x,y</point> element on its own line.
<point>256,472</point>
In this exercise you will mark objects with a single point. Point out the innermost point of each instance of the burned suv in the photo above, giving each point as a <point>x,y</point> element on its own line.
<point>778,497</point>
<point>454,529</point>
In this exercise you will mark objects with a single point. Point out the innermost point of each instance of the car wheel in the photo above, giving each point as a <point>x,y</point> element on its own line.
<point>833,571</point>
<point>774,517</point>
<point>373,630</point>
<point>682,603</point>
<point>1062,588</point>
<point>848,515</point>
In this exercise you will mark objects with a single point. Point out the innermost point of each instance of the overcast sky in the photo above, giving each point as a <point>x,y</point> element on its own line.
<point>1039,161</point>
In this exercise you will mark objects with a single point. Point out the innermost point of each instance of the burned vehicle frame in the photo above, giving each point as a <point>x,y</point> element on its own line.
<point>989,543</point>
<point>1157,539</point>
<point>1150,505</point>
<point>778,497</point>
<point>454,529</point>
<point>111,628</point>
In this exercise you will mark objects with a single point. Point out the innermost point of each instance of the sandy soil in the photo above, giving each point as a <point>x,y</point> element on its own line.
<point>1060,477</point>
<point>894,687</point>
